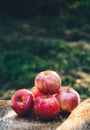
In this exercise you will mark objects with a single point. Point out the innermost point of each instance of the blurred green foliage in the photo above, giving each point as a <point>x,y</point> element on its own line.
<point>38,35</point>
<point>47,7</point>
<point>21,59</point>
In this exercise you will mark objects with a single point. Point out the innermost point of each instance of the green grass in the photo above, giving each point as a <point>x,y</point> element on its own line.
<point>25,50</point>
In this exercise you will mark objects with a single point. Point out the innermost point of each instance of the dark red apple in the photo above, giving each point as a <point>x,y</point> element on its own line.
<point>46,107</point>
<point>22,101</point>
<point>48,82</point>
<point>36,92</point>
<point>68,98</point>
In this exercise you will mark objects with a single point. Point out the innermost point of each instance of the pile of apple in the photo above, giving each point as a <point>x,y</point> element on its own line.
<point>47,98</point>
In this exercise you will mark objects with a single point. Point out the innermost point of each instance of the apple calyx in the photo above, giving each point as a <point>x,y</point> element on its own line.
<point>20,100</point>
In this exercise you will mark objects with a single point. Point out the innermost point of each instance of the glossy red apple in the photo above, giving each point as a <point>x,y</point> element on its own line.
<point>46,107</point>
<point>22,101</point>
<point>36,92</point>
<point>48,82</point>
<point>68,98</point>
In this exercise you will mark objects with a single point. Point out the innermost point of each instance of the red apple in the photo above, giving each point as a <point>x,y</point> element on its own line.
<point>46,107</point>
<point>68,98</point>
<point>48,82</point>
<point>36,92</point>
<point>22,101</point>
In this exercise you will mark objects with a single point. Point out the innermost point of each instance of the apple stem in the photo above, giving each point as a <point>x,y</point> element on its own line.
<point>68,90</point>
<point>51,67</point>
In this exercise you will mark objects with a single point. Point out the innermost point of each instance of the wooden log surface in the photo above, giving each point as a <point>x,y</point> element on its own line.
<point>9,120</point>
<point>79,119</point>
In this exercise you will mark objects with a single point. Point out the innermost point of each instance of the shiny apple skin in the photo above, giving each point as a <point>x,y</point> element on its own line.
<point>36,92</point>
<point>68,100</point>
<point>46,107</point>
<point>22,101</point>
<point>48,82</point>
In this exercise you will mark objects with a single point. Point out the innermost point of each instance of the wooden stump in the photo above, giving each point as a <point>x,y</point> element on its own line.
<point>79,119</point>
<point>9,120</point>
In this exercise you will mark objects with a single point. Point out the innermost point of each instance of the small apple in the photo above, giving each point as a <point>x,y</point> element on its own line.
<point>68,98</point>
<point>46,107</point>
<point>36,92</point>
<point>22,101</point>
<point>48,82</point>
